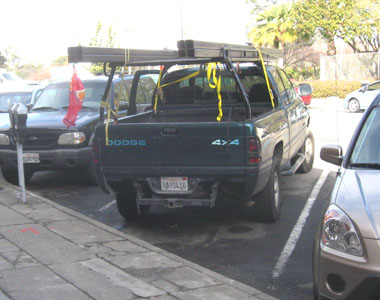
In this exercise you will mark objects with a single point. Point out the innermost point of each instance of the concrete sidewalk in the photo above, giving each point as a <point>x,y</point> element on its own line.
<point>50,252</point>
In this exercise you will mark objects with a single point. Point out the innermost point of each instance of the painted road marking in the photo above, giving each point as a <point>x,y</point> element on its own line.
<point>30,229</point>
<point>297,230</point>
<point>107,205</point>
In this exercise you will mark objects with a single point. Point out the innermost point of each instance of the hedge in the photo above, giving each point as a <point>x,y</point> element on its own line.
<point>329,88</point>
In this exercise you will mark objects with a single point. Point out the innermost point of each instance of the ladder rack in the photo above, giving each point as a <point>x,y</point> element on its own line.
<point>117,55</point>
<point>188,51</point>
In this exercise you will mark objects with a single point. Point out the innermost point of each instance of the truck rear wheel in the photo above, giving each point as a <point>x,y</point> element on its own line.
<point>308,150</point>
<point>127,206</point>
<point>90,174</point>
<point>267,207</point>
<point>11,175</point>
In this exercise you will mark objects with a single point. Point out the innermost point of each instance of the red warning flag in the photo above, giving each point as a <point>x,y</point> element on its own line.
<point>76,96</point>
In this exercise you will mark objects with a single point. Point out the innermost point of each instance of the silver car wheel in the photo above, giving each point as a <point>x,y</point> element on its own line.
<point>276,190</point>
<point>353,105</point>
<point>308,150</point>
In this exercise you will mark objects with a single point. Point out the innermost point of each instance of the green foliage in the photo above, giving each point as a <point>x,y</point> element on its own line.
<point>302,73</point>
<point>27,70</point>
<point>11,57</point>
<point>261,5</point>
<point>350,20</point>
<point>3,60</point>
<point>273,27</point>
<point>97,41</point>
<point>60,61</point>
<point>331,88</point>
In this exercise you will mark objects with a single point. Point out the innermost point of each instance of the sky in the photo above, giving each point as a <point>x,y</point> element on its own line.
<point>42,30</point>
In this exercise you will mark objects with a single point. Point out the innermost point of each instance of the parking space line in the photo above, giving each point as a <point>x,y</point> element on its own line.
<point>297,230</point>
<point>107,205</point>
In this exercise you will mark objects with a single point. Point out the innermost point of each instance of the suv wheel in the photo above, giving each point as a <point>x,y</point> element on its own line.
<point>11,175</point>
<point>308,149</point>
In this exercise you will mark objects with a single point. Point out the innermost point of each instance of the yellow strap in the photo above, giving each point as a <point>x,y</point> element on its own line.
<point>107,105</point>
<point>266,77</point>
<point>217,82</point>
<point>169,83</point>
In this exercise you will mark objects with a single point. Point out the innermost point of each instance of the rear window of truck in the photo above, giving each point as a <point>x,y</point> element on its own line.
<point>197,90</point>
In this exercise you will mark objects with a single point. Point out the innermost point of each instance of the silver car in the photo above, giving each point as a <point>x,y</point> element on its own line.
<point>346,255</point>
<point>362,98</point>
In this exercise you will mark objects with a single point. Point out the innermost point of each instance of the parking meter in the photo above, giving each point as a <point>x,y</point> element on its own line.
<point>18,114</point>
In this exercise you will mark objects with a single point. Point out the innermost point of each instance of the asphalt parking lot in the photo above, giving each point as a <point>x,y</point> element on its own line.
<point>274,258</point>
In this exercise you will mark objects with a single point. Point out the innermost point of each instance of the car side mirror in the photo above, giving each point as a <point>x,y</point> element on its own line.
<point>332,154</point>
<point>29,106</point>
<point>305,89</point>
<point>123,105</point>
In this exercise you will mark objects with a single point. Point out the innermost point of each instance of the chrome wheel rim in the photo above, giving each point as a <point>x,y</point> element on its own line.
<point>308,150</point>
<point>353,105</point>
<point>276,190</point>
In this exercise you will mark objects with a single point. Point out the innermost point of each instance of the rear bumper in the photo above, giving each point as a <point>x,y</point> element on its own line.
<point>248,177</point>
<point>59,159</point>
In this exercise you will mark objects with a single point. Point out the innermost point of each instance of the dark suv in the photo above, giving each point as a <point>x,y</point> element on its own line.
<point>49,144</point>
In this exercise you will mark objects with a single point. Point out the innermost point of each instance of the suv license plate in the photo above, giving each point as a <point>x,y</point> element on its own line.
<point>174,184</point>
<point>31,158</point>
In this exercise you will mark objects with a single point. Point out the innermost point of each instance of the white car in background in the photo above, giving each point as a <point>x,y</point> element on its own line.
<point>362,98</point>
<point>18,94</point>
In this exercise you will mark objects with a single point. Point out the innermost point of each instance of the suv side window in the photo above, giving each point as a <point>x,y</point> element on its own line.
<point>288,86</point>
<point>145,89</point>
<point>121,92</point>
<point>281,87</point>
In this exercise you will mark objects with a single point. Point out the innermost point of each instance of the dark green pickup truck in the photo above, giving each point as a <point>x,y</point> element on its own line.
<point>213,128</point>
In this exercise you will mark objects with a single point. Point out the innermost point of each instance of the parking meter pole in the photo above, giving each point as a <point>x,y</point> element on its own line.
<point>20,165</point>
<point>18,114</point>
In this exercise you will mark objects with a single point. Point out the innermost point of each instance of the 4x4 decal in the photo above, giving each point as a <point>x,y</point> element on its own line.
<point>221,142</point>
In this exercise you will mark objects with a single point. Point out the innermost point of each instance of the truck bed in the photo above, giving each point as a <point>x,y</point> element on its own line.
<point>195,114</point>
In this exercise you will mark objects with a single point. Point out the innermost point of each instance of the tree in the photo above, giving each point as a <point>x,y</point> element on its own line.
<point>60,61</point>
<point>259,6</point>
<point>355,22</point>
<point>273,27</point>
<point>97,41</point>
<point>27,70</point>
<point>11,57</point>
<point>3,60</point>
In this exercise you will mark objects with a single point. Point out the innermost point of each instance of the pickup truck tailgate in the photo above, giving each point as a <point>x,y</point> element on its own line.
<point>178,145</point>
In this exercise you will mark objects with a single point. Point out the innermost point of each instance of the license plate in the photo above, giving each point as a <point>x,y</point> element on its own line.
<point>174,184</point>
<point>31,158</point>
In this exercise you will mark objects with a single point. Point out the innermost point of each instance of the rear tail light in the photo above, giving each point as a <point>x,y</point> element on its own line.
<point>253,150</point>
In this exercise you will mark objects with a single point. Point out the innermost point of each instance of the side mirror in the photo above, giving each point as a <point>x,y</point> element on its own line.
<point>123,105</point>
<point>305,89</point>
<point>29,106</point>
<point>332,154</point>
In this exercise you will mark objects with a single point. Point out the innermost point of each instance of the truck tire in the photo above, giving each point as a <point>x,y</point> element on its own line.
<point>267,207</point>
<point>11,175</point>
<point>91,175</point>
<point>127,206</point>
<point>308,149</point>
